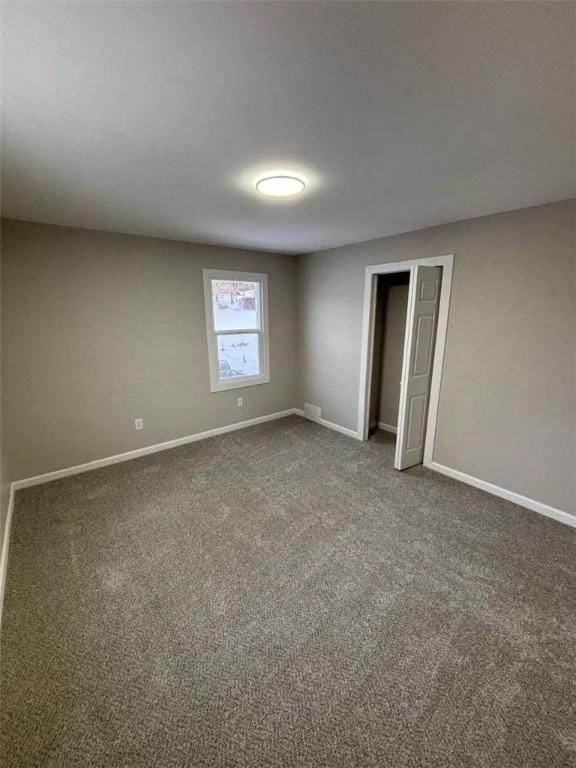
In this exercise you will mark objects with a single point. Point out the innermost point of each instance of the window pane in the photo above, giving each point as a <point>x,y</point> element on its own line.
<point>238,355</point>
<point>236,305</point>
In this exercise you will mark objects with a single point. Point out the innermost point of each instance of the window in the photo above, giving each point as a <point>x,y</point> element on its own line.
<point>237,328</point>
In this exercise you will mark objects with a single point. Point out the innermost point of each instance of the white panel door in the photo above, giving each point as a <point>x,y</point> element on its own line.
<point>422,319</point>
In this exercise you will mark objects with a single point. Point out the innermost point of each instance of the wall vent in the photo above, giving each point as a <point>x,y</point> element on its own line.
<point>312,412</point>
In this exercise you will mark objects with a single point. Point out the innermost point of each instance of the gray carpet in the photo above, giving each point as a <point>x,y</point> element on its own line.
<point>280,597</point>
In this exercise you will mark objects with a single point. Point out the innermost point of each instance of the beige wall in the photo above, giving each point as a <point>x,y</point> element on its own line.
<point>388,395</point>
<point>507,409</point>
<point>4,502</point>
<point>4,477</point>
<point>100,329</point>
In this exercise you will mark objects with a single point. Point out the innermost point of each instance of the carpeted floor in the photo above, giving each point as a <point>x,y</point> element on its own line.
<point>280,597</point>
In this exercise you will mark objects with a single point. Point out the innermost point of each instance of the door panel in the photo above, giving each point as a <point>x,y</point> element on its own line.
<point>421,322</point>
<point>423,346</point>
<point>416,413</point>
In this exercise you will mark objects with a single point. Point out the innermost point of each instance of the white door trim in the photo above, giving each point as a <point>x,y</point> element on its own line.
<point>367,348</point>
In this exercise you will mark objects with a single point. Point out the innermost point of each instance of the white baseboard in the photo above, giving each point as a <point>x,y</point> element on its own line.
<point>330,425</point>
<point>88,466</point>
<point>503,493</point>
<point>387,427</point>
<point>5,543</point>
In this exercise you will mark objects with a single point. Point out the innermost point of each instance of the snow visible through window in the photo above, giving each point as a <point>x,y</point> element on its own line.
<point>236,307</point>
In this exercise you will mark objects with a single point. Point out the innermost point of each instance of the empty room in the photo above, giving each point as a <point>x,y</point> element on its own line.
<point>288,384</point>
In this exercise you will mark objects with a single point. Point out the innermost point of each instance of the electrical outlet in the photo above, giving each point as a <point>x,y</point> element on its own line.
<point>138,424</point>
<point>240,402</point>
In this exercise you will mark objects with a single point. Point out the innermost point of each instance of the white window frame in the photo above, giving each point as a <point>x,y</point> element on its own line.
<point>217,385</point>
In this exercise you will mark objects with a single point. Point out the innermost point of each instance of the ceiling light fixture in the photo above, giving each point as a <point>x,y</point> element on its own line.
<point>280,184</point>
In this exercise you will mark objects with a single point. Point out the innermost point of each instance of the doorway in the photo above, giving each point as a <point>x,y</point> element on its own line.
<point>400,378</point>
<point>389,334</point>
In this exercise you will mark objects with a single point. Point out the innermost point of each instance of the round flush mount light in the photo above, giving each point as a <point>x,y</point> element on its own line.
<point>280,184</point>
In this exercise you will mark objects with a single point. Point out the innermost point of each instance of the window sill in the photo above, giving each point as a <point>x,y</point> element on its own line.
<point>248,381</point>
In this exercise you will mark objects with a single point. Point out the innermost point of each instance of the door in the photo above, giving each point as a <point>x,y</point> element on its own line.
<point>421,322</point>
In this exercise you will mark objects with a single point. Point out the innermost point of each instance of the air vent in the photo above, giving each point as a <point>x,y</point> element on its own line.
<point>312,412</point>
